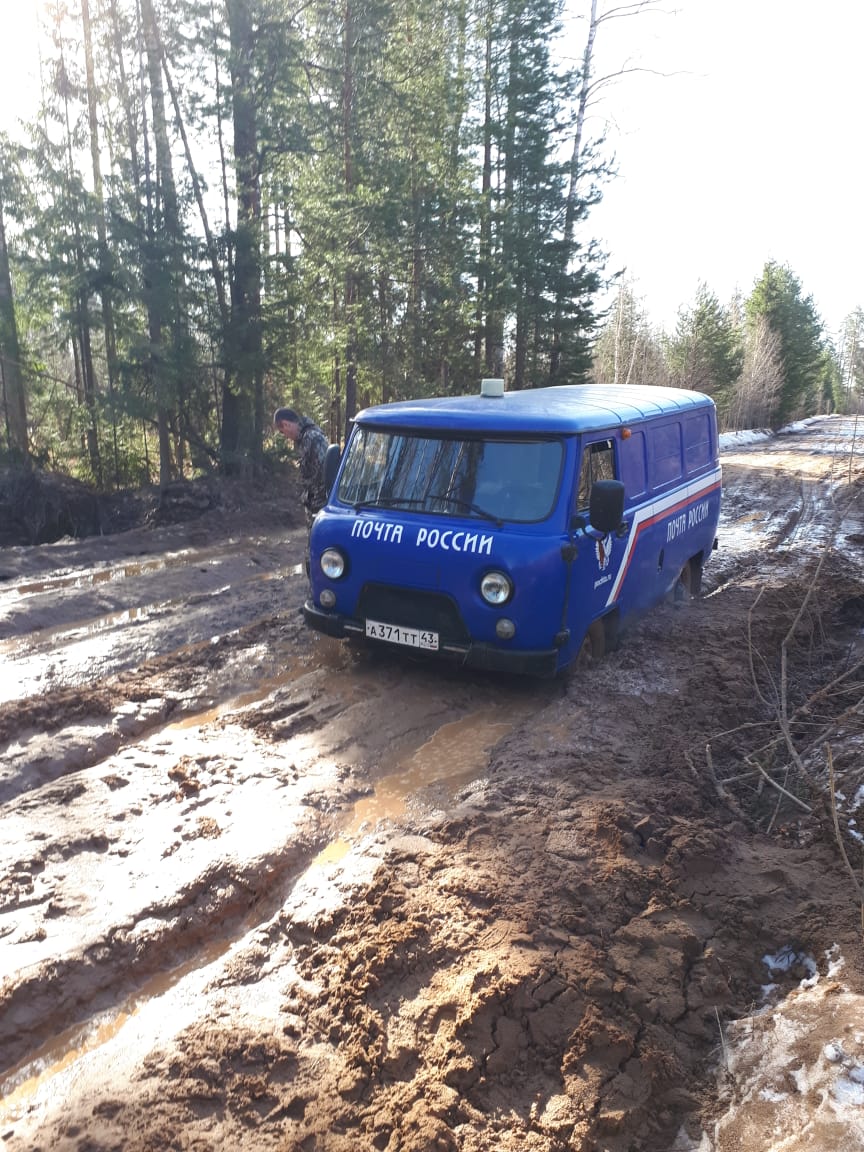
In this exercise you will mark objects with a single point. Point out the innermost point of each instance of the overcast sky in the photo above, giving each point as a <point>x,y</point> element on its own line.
<point>748,149</point>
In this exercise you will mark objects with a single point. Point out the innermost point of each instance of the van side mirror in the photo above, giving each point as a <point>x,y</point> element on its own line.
<point>332,458</point>
<point>606,510</point>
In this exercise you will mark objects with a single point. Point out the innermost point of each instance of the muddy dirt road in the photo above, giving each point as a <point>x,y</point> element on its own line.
<point>261,891</point>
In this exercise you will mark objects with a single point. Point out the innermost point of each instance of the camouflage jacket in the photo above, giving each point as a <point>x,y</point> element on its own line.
<point>312,446</point>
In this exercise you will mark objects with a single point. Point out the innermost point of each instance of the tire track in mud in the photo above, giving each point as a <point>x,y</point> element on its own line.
<point>62,631</point>
<point>335,721</point>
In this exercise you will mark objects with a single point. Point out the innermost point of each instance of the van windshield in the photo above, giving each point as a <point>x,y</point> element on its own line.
<point>493,479</point>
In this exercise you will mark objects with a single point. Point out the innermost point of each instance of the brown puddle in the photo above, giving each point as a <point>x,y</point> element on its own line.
<point>454,756</point>
<point>98,576</point>
<point>261,691</point>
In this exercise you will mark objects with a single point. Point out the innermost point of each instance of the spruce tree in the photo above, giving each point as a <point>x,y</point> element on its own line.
<point>706,353</point>
<point>777,298</point>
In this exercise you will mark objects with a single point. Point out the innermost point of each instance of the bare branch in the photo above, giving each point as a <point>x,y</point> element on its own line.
<point>631,10</point>
<point>784,647</point>
<point>750,649</point>
<point>855,882</point>
<point>595,85</point>
<point>780,788</point>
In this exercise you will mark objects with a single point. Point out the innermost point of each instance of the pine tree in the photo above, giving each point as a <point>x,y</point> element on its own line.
<point>242,396</point>
<point>11,368</point>
<point>398,219</point>
<point>104,260</point>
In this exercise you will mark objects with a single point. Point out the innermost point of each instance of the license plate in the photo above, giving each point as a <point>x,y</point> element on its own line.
<point>396,634</point>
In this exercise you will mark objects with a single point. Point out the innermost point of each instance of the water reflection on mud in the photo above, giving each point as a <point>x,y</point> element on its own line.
<point>454,756</point>
<point>131,569</point>
<point>20,1087</point>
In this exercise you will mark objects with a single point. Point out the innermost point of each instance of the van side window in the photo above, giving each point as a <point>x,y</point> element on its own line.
<point>598,463</point>
<point>697,441</point>
<point>665,457</point>
<point>631,461</point>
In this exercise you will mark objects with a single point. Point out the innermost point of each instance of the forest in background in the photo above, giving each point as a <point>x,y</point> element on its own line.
<point>226,205</point>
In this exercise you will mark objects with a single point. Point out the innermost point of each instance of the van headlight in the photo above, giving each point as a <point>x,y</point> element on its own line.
<point>332,563</point>
<point>496,588</point>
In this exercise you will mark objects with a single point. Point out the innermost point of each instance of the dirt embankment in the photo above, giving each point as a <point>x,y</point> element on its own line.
<point>260,891</point>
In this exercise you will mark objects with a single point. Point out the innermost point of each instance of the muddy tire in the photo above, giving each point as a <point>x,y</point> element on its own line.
<point>593,646</point>
<point>689,582</point>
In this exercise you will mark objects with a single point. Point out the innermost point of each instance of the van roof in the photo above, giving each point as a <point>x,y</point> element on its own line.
<point>563,409</point>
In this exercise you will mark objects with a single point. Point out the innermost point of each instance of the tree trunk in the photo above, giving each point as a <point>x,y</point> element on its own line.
<point>572,206</point>
<point>10,360</point>
<point>81,307</point>
<point>484,256</point>
<point>348,172</point>
<point>243,403</point>
<point>102,236</point>
<point>165,272</point>
<point>212,253</point>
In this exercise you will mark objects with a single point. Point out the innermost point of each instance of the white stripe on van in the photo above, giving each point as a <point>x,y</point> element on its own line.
<point>646,514</point>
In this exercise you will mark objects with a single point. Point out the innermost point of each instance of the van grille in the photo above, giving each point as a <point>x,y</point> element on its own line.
<point>413,609</point>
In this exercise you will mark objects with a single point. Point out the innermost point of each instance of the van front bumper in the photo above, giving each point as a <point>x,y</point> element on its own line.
<point>485,657</point>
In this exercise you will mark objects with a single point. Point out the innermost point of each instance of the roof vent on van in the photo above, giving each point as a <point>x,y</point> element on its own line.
<point>491,387</point>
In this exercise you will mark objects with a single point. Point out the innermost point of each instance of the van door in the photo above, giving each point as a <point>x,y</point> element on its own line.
<point>598,558</point>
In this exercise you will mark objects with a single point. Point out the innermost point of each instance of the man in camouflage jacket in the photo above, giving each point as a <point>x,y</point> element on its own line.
<point>312,447</point>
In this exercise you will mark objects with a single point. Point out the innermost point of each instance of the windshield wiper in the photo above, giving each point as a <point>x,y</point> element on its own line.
<point>387,502</point>
<point>475,508</point>
<point>403,502</point>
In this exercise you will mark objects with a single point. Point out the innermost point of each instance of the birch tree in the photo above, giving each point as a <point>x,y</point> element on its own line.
<point>851,359</point>
<point>756,395</point>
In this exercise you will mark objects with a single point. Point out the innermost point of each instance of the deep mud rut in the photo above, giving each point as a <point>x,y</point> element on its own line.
<point>259,890</point>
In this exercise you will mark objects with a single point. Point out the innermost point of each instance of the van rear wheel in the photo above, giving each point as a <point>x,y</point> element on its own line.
<point>689,582</point>
<point>593,646</point>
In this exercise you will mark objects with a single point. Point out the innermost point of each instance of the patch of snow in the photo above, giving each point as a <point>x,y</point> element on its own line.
<point>848,1092</point>
<point>788,958</point>
<point>772,1095</point>
<point>685,1143</point>
<point>796,1068</point>
<point>729,440</point>
<point>801,1078</point>
<point>800,425</point>
<point>836,963</point>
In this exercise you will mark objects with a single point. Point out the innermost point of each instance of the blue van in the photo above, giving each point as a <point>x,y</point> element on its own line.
<point>514,531</point>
